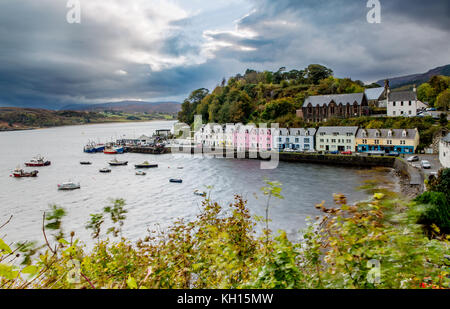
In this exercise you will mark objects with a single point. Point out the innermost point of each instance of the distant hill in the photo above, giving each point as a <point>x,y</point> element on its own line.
<point>417,79</point>
<point>128,107</point>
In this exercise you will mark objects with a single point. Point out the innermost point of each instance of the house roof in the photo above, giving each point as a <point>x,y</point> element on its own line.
<point>337,98</point>
<point>402,96</point>
<point>374,93</point>
<point>339,130</point>
<point>302,131</point>
<point>396,133</point>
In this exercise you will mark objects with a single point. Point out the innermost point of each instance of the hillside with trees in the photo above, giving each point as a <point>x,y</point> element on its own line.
<point>264,96</point>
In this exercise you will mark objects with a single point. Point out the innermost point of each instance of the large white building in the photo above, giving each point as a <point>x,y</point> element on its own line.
<point>295,138</point>
<point>402,103</point>
<point>336,139</point>
<point>444,151</point>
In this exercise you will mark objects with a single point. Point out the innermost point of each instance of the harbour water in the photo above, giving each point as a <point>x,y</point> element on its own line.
<point>150,200</point>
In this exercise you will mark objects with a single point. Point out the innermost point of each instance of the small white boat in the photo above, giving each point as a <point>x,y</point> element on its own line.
<point>69,186</point>
<point>200,193</point>
<point>141,173</point>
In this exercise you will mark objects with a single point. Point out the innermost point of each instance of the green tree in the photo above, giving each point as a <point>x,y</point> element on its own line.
<point>317,72</point>
<point>443,100</point>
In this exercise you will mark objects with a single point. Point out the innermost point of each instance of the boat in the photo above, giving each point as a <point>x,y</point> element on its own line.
<point>69,186</point>
<point>89,149</point>
<point>19,173</point>
<point>85,163</point>
<point>200,193</point>
<point>37,161</point>
<point>176,180</point>
<point>145,165</point>
<point>141,173</point>
<point>104,170</point>
<point>116,162</point>
<point>109,151</point>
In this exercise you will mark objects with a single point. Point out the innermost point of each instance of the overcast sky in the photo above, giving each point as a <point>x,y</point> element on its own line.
<point>161,50</point>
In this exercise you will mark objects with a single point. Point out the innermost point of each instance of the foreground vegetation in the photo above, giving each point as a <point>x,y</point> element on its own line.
<point>12,118</point>
<point>373,244</point>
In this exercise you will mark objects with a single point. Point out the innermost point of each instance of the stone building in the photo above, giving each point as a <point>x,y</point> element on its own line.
<point>324,107</point>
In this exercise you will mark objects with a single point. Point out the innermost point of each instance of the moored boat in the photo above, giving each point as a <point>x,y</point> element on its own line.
<point>69,186</point>
<point>141,173</point>
<point>109,151</point>
<point>38,161</point>
<point>200,193</point>
<point>85,163</point>
<point>116,162</point>
<point>145,165</point>
<point>105,170</point>
<point>19,173</point>
<point>176,180</point>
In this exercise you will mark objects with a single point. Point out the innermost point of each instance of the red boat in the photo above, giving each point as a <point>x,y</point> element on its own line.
<point>19,173</point>
<point>38,161</point>
<point>109,151</point>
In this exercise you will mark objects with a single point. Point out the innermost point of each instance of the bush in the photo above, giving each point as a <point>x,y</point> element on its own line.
<point>436,211</point>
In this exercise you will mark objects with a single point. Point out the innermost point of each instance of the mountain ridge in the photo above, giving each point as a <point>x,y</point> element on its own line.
<point>418,78</point>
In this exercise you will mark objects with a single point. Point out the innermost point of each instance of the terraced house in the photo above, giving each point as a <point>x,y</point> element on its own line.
<point>324,107</point>
<point>295,139</point>
<point>336,139</point>
<point>388,140</point>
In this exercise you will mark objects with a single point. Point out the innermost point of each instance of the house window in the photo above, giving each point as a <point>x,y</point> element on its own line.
<point>321,140</point>
<point>349,141</point>
<point>393,103</point>
<point>296,140</point>
<point>410,103</point>
<point>401,103</point>
<point>377,142</point>
<point>410,112</point>
<point>394,113</point>
<point>306,140</point>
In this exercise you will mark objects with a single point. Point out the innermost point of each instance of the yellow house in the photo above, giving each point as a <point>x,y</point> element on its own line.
<point>387,140</point>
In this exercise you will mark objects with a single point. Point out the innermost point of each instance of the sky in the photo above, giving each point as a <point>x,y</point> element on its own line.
<point>160,50</point>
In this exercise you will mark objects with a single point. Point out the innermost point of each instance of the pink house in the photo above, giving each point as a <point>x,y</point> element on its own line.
<point>250,137</point>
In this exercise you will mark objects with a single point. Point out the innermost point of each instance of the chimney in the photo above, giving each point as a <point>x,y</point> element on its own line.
<point>415,88</point>
<point>386,84</point>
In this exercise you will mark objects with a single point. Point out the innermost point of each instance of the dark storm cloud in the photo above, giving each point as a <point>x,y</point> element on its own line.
<point>154,50</point>
<point>413,36</point>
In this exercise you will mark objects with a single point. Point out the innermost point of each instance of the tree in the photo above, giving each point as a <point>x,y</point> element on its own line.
<point>317,72</point>
<point>426,93</point>
<point>443,100</point>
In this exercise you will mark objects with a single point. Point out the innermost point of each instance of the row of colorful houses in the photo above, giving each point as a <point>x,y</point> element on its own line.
<point>327,139</point>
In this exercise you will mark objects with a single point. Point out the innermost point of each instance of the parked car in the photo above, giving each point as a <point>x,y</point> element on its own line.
<point>346,152</point>
<point>334,152</point>
<point>288,150</point>
<point>413,159</point>
<point>393,154</point>
<point>425,164</point>
<point>431,109</point>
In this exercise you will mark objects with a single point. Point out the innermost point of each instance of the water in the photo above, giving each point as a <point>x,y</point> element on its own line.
<point>150,199</point>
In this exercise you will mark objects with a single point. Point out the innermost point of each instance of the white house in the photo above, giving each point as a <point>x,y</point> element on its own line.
<point>295,138</point>
<point>336,139</point>
<point>444,151</point>
<point>402,103</point>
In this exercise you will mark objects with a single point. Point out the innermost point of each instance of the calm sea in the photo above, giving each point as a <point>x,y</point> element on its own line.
<point>151,199</point>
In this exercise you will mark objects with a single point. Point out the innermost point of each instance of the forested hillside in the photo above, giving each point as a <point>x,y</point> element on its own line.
<point>264,96</point>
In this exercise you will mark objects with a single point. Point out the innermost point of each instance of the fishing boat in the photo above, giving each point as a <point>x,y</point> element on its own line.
<point>19,173</point>
<point>116,162</point>
<point>85,163</point>
<point>38,161</point>
<point>141,173</point>
<point>104,170</point>
<point>176,180</point>
<point>69,186</point>
<point>200,193</point>
<point>89,149</point>
<point>145,165</point>
<point>109,150</point>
